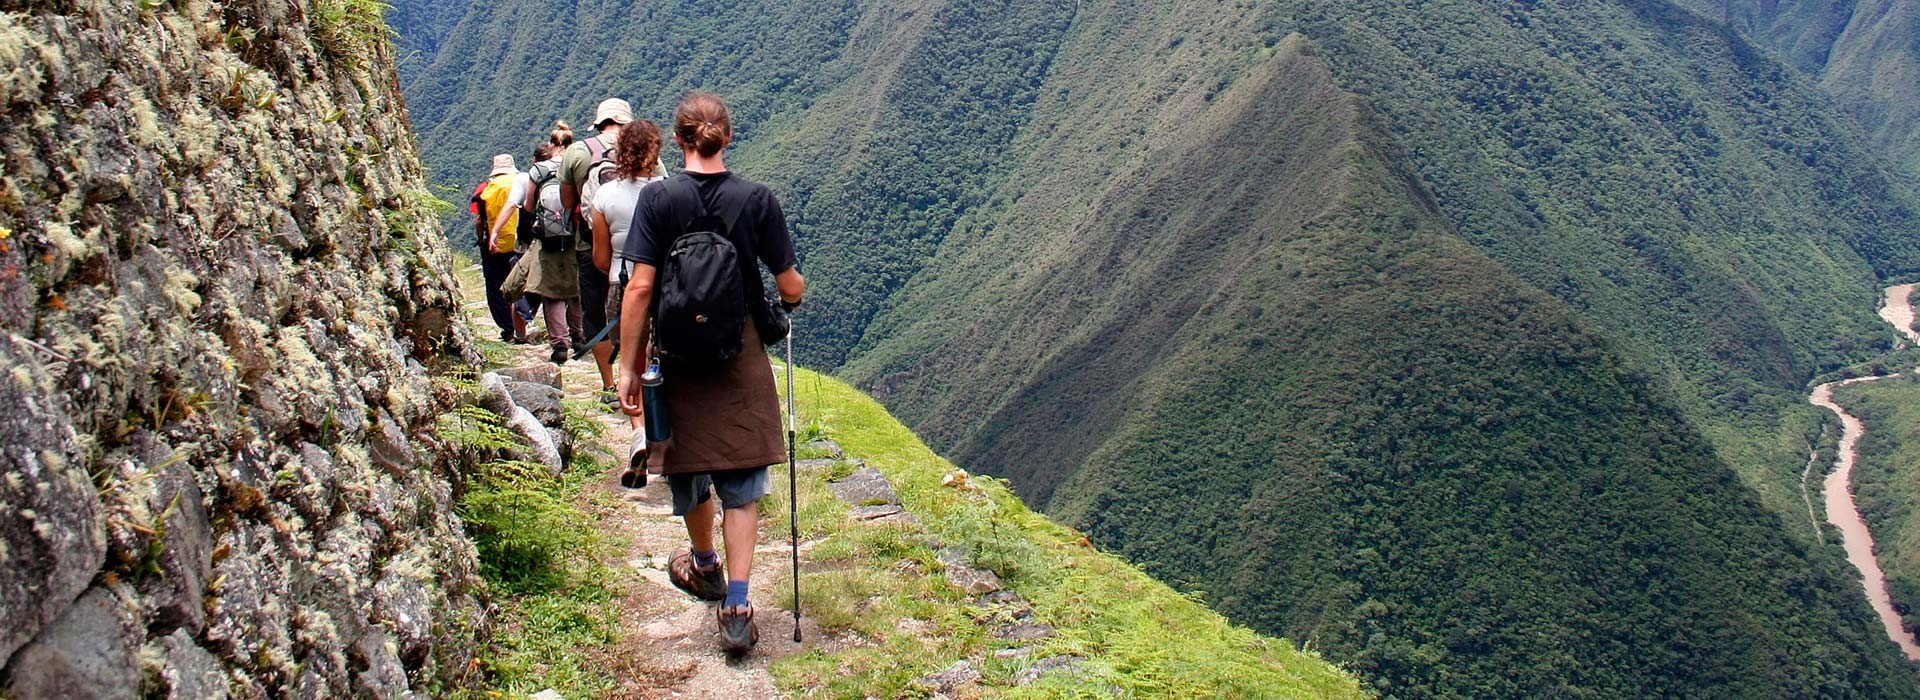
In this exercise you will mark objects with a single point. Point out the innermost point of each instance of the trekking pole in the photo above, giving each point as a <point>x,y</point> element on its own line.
<point>793,490</point>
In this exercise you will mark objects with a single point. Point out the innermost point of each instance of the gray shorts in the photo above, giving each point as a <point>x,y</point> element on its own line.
<point>737,488</point>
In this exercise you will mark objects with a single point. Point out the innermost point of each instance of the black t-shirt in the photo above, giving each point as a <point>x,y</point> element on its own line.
<point>758,230</point>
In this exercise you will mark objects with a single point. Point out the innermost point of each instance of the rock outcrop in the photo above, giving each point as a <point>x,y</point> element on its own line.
<point>222,296</point>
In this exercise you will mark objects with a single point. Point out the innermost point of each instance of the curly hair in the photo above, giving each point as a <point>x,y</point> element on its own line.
<point>637,152</point>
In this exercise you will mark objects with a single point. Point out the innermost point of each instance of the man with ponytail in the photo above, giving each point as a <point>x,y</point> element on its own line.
<point>724,410</point>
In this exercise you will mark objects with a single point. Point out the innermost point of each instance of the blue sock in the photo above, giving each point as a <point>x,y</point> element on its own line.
<point>736,595</point>
<point>705,559</point>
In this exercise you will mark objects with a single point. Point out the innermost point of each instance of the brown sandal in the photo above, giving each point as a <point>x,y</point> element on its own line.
<point>738,633</point>
<point>708,585</point>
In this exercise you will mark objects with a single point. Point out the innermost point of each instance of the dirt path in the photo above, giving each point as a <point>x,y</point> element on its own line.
<point>1841,510</point>
<point>668,645</point>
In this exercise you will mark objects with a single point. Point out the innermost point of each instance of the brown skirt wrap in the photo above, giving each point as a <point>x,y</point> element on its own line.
<point>725,417</point>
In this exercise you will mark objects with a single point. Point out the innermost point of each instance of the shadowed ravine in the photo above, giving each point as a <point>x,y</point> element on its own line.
<point>1841,510</point>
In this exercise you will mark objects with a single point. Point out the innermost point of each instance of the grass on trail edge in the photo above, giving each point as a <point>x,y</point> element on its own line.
<point>1135,636</point>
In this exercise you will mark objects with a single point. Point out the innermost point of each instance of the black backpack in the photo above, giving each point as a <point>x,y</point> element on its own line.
<point>700,307</point>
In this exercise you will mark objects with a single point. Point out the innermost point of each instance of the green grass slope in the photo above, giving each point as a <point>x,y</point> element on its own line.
<point>1308,397</point>
<point>1887,480</point>
<point>1134,636</point>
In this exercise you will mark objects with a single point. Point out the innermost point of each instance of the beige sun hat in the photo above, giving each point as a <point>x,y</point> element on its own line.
<point>613,109</point>
<point>502,165</point>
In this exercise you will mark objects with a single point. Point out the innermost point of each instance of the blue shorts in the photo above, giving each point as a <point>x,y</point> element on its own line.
<point>737,488</point>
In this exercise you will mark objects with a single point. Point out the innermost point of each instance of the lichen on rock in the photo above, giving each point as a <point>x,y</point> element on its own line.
<point>221,292</point>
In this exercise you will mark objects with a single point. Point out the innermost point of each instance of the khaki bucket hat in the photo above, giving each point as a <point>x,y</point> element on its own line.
<point>613,109</point>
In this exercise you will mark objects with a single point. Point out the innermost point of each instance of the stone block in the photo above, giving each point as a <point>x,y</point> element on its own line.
<point>950,679</point>
<point>541,399</point>
<point>543,373</point>
<point>866,486</point>
<point>186,671</point>
<point>52,523</point>
<point>390,447</point>
<point>829,447</point>
<point>970,580</point>
<point>90,653</point>
<point>868,513</point>
<point>315,482</point>
<point>251,612</point>
<point>815,464</point>
<point>174,597</point>
<point>540,446</point>
<point>378,672</point>
<point>1039,669</point>
<point>494,395</point>
<point>401,603</point>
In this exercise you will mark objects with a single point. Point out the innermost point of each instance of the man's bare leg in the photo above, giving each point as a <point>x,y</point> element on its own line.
<point>741,529</point>
<point>700,525</point>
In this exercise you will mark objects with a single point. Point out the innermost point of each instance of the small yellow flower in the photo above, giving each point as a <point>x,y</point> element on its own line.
<point>5,232</point>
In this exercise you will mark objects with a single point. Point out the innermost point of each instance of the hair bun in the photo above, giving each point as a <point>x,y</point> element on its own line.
<point>702,123</point>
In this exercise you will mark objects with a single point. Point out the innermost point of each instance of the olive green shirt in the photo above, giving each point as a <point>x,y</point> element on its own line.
<point>575,163</point>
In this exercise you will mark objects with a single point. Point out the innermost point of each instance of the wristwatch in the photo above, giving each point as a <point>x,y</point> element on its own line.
<point>789,305</point>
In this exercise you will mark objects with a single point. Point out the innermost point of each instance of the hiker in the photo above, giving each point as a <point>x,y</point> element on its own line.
<point>725,417</point>
<point>587,165</point>
<point>495,224</point>
<point>635,166</point>
<point>552,273</point>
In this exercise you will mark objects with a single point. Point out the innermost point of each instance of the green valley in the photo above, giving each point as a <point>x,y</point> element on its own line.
<point>1465,341</point>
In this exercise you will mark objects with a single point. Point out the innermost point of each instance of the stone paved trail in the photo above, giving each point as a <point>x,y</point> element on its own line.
<point>667,645</point>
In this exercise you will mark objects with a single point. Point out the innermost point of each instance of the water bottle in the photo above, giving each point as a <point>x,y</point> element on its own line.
<point>654,403</point>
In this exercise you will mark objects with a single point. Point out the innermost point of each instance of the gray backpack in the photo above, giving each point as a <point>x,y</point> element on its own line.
<point>549,223</point>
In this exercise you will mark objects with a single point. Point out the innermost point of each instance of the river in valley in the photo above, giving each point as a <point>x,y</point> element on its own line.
<point>1841,510</point>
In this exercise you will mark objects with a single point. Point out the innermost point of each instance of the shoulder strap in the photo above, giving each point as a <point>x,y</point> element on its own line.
<point>596,151</point>
<point>689,191</point>
<point>540,175</point>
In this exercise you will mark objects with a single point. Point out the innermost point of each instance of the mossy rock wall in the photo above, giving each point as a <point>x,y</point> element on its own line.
<point>222,295</point>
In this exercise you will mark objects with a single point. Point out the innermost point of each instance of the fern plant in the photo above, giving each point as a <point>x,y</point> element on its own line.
<point>476,430</point>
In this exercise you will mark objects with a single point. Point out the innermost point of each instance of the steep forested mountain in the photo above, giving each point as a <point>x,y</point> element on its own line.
<point>1866,53</point>
<point>419,29</point>
<point>1666,179</point>
<point>1465,340</point>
